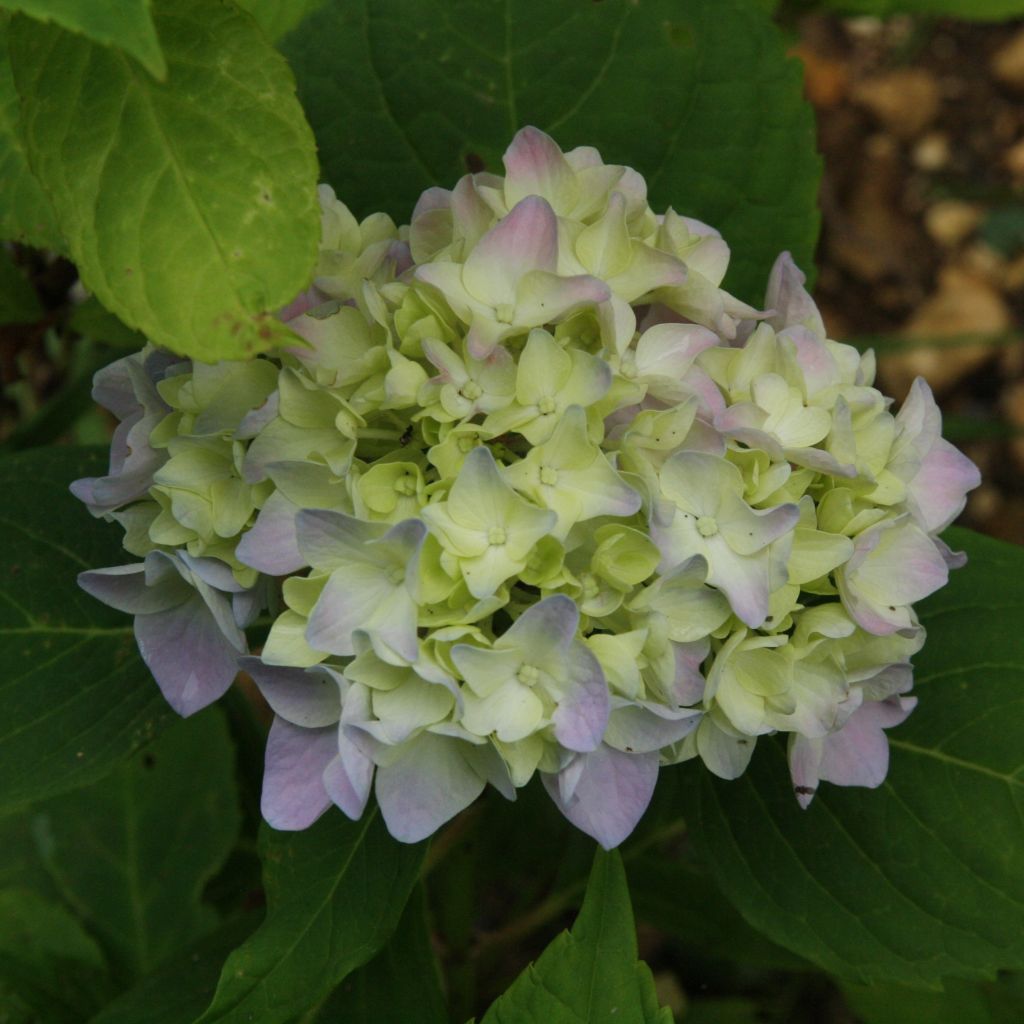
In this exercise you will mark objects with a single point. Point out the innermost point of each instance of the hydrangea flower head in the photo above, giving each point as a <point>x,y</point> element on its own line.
<point>532,495</point>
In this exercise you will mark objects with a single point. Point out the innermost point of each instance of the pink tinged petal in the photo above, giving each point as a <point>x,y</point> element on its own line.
<point>347,779</point>
<point>668,350</point>
<point>271,545</point>
<point>294,795</point>
<point>302,303</point>
<point>804,761</point>
<point>256,419</point>
<point>307,699</point>
<point>644,728</point>
<point>858,755</point>
<point>689,683</point>
<point>486,334</point>
<point>543,297</point>
<point>544,631</point>
<point>953,559</point>
<point>787,296</point>
<point>893,565</point>
<point>535,166</point>
<point>938,491</point>
<point>744,579</point>
<point>187,652</point>
<point>581,716</point>
<point>525,240</point>
<point>429,784</point>
<point>329,539</point>
<point>748,531</point>
<point>816,362</point>
<point>126,588</point>
<point>611,795</point>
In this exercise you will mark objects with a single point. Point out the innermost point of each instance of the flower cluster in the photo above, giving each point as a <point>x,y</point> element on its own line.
<point>532,494</point>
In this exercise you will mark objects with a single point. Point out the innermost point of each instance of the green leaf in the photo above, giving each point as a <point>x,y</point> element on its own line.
<point>405,94</point>
<point>591,973</point>
<point>19,303</point>
<point>334,895</point>
<point>190,206</point>
<point>48,964</point>
<point>969,10</point>
<point>76,696</point>
<point>126,25</point>
<point>132,853</point>
<point>400,984</point>
<point>960,1002</point>
<point>26,214</point>
<point>679,897</point>
<point>924,877</point>
<point>179,991</point>
<point>277,17</point>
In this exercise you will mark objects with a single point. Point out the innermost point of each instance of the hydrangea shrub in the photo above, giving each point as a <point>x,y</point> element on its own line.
<point>530,493</point>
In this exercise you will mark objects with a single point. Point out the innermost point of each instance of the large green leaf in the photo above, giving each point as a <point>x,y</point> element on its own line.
<point>591,973</point>
<point>126,25</point>
<point>924,877</point>
<point>679,896</point>
<point>974,10</point>
<point>400,984</point>
<point>26,214</point>
<point>404,94</point>
<point>276,17</point>
<point>189,206</point>
<point>132,853</point>
<point>334,895</point>
<point>76,697</point>
<point>179,991</point>
<point>960,1002</point>
<point>50,968</point>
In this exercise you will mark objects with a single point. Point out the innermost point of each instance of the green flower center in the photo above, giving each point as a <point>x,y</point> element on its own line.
<point>405,485</point>
<point>471,391</point>
<point>546,406</point>
<point>496,536</point>
<point>397,576</point>
<point>628,366</point>
<point>706,526</point>
<point>548,476</point>
<point>528,675</point>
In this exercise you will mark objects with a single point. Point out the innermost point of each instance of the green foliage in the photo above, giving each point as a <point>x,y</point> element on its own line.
<point>433,89</point>
<point>189,207</point>
<point>49,965</point>
<point>126,25</point>
<point>334,896</point>
<point>137,883</point>
<point>76,696</point>
<point>969,10</point>
<point>925,877</point>
<point>26,214</point>
<point>401,983</point>
<point>679,896</point>
<point>960,1002</point>
<point>277,17</point>
<point>179,991</point>
<point>591,973</point>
